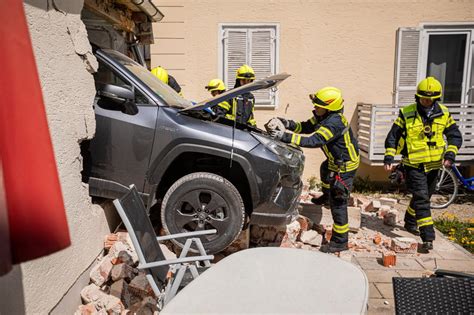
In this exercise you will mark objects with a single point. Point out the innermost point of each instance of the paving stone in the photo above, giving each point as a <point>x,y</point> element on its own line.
<point>457,265</point>
<point>428,263</point>
<point>375,263</point>
<point>378,306</point>
<point>354,218</point>
<point>388,201</point>
<point>410,273</point>
<point>383,277</point>
<point>386,289</point>
<point>454,254</point>
<point>374,293</point>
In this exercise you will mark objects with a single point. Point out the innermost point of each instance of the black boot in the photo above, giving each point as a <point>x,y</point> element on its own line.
<point>412,229</point>
<point>321,200</point>
<point>427,246</point>
<point>334,247</point>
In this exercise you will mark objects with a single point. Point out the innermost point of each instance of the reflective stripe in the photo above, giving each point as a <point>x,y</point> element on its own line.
<point>327,153</point>
<point>325,185</point>
<point>452,148</point>
<point>411,211</point>
<point>224,105</point>
<point>399,122</point>
<point>252,121</point>
<point>350,147</point>
<point>346,167</point>
<point>312,120</point>
<point>325,132</point>
<point>341,229</point>
<point>296,139</point>
<point>424,222</point>
<point>390,151</point>
<point>298,128</point>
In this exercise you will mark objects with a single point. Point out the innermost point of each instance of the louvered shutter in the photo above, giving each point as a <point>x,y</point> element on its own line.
<point>406,74</point>
<point>235,54</point>
<point>262,60</point>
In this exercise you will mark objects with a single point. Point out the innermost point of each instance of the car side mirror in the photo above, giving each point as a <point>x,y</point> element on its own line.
<point>114,97</point>
<point>116,94</point>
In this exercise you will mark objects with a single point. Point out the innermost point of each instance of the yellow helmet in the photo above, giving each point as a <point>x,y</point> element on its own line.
<point>429,88</point>
<point>329,98</point>
<point>160,73</point>
<point>215,85</point>
<point>245,72</point>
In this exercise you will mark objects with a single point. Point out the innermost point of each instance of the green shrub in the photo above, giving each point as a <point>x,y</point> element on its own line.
<point>457,231</point>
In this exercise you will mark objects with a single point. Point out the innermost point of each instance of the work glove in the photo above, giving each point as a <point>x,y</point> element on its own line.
<point>277,134</point>
<point>448,159</point>
<point>274,124</point>
<point>285,122</point>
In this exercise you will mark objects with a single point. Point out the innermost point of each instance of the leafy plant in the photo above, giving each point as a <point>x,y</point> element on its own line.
<point>458,231</point>
<point>314,183</point>
<point>365,185</point>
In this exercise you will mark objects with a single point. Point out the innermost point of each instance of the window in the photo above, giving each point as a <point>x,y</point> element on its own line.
<point>445,52</point>
<point>255,45</point>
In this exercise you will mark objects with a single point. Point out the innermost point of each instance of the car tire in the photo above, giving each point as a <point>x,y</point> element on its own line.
<point>203,201</point>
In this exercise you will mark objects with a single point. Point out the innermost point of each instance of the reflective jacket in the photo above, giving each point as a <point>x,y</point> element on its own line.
<point>420,138</point>
<point>242,109</point>
<point>333,134</point>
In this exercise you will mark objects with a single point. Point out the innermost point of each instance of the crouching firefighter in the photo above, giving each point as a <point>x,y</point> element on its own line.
<point>330,131</point>
<point>418,134</point>
<point>216,87</point>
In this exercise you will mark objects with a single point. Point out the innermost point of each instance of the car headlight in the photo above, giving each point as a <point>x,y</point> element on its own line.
<point>290,156</point>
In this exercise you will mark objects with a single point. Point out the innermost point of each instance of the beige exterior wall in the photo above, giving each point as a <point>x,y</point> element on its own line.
<point>63,57</point>
<point>347,44</point>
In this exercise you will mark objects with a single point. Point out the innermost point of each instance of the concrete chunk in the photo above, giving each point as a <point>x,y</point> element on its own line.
<point>374,206</point>
<point>405,245</point>
<point>388,201</point>
<point>311,237</point>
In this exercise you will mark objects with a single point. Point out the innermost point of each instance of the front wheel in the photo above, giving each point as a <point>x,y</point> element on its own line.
<point>446,189</point>
<point>204,201</point>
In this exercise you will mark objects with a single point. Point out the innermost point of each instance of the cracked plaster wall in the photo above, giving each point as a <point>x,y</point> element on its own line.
<point>65,63</point>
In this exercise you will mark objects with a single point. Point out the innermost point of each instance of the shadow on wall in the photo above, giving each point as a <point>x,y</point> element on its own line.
<point>12,299</point>
<point>65,6</point>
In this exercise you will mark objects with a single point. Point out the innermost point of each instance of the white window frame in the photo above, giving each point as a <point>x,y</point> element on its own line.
<point>220,52</point>
<point>428,29</point>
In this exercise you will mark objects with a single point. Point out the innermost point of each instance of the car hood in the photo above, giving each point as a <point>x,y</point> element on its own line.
<point>271,81</point>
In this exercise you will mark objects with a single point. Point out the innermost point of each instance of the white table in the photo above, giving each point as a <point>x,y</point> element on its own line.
<point>275,281</point>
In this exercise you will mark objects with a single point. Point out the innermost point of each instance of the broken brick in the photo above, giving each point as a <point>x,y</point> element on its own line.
<point>388,201</point>
<point>88,309</point>
<point>389,258</point>
<point>327,235</point>
<point>391,218</point>
<point>100,273</point>
<point>373,206</point>
<point>110,240</point>
<point>405,245</point>
<point>384,209</point>
<point>311,237</point>
<point>140,286</point>
<point>304,222</point>
<point>119,289</point>
<point>122,271</point>
<point>377,239</point>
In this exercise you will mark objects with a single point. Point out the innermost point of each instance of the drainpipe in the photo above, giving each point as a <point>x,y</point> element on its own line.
<point>150,9</point>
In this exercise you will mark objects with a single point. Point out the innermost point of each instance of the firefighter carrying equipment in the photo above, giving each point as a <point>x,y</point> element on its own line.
<point>429,88</point>
<point>329,98</point>
<point>160,73</point>
<point>215,85</point>
<point>245,72</point>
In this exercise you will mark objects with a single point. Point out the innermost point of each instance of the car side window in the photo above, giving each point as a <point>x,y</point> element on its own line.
<point>105,75</point>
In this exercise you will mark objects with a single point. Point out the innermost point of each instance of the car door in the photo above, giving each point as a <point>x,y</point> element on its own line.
<point>120,150</point>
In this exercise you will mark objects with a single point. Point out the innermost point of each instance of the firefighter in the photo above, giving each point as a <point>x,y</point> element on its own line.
<point>243,105</point>
<point>417,134</point>
<point>166,78</point>
<point>216,87</point>
<point>330,131</point>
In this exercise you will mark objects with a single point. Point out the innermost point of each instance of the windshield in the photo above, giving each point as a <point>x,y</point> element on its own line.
<point>164,91</point>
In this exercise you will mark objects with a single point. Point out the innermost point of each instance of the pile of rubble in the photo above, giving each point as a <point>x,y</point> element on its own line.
<point>116,285</point>
<point>371,221</point>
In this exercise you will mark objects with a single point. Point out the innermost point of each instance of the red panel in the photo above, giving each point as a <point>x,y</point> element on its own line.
<point>36,215</point>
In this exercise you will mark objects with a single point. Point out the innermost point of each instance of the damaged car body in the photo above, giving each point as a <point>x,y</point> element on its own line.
<point>203,172</point>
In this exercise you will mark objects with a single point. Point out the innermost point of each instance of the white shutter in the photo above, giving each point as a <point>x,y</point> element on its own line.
<point>262,60</point>
<point>235,54</point>
<point>406,74</point>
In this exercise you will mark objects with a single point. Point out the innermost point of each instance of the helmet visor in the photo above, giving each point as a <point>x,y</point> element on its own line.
<point>317,101</point>
<point>246,75</point>
<point>428,94</point>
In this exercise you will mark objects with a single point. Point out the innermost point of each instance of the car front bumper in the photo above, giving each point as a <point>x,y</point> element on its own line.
<point>281,210</point>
